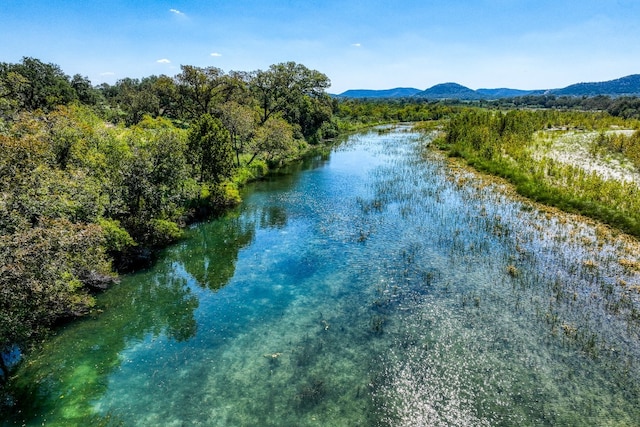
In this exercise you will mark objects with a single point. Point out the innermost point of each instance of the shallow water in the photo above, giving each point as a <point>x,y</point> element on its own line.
<point>374,287</point>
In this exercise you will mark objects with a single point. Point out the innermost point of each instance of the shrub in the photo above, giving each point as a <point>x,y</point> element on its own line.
<point>117,238</point>
<point>162,232</point>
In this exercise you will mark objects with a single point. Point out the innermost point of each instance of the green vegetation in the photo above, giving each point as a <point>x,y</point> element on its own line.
<point>355,114</point>
<point>627,107</point>
<point>627,145</point>
<point>94,179</point>
<point>513,145</point>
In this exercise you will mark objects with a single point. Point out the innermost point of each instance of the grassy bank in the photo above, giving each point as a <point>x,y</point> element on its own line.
<point>521,147</point>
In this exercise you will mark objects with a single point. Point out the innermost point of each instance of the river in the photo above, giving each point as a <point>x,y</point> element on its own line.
<point>379,285</point>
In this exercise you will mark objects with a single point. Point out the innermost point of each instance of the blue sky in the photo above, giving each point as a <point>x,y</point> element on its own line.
<point>368,44</point>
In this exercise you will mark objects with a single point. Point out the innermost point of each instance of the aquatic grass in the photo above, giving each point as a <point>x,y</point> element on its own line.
<point>310,393</point>
<point>630,265</point>
<point>489,142</point>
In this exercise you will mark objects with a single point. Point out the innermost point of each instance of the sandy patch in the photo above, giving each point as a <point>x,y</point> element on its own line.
<point>575,149</point>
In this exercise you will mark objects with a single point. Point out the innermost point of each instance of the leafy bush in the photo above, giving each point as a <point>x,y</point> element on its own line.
<point>117,239</point>
<point>47,273</point>
<point>247,173</point>
<point>162,232</point>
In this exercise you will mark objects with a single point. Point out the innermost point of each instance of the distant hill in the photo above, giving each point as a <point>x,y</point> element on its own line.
<point>399,92</point>
<point>504,93</point>
<point>629,85</point>
<point>449,91</point>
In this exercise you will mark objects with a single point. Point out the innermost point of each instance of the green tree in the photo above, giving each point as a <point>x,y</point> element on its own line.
<point>12,89</point>
<point>136,98</point>
<point>45,275</point>
<point>198,89</point>
<point>240,121</point>
<point>310,115</point>
<point>210,152</point>
<point>274,140</point>
<point>43,173</point>
<point>166,91</point>
<point>154,186</point>
<point>235,88</point>
<point>283,87</point>
<point>85,92</point>
<point>36,85</point>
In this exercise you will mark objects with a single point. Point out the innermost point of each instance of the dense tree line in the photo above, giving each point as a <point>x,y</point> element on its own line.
<point>355,113</point>
<point>378,110</point>
<point>627,107</point>
<point>92,179</point>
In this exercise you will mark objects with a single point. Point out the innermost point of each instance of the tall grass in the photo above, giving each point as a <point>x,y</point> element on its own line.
<point>504,144</point>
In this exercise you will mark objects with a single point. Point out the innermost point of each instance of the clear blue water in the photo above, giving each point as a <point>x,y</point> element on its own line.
<point>377,286</point>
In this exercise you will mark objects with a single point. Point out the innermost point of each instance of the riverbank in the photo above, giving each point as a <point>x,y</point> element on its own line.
<point>550,169</point>
<point>56,252</point>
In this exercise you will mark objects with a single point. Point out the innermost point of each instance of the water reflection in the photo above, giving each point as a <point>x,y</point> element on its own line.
<point>212,252</point>
<point>70,371</point>
<point>273,216</point>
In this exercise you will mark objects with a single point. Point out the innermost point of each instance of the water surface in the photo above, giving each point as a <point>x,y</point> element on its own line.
<point>374,287</point>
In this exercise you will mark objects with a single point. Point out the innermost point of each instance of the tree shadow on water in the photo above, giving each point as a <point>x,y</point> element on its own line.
<point>71,369</point>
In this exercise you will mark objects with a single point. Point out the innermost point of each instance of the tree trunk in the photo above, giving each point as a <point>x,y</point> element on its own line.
<point>252,157</point>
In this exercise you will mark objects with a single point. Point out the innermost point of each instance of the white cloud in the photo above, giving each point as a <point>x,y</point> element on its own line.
<point>356,45</point>
<point>108,73</point>
<point>216,54</point>
<point>163,61</point>
<point>176,11</point>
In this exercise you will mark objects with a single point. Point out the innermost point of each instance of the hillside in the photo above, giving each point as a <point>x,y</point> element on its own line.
<point>504,93</point>
<point>399,92</point>
<point>624,86</point>
<point>629,85</point>
<point>449,91</point>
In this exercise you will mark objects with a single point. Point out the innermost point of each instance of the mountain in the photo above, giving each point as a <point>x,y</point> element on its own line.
<point>449,91</point>
<point>504,93</point>
<point>629,85</point>
<point>399,92</point>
